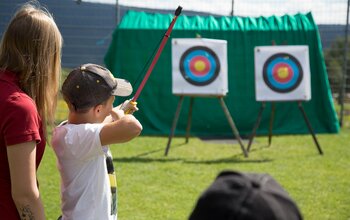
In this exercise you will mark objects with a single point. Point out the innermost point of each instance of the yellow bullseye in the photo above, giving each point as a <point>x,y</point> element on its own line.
<point>199,66</point>
<point>282,72</point>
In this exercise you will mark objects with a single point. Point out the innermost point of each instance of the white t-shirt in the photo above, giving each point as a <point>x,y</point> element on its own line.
<point>81,160</point>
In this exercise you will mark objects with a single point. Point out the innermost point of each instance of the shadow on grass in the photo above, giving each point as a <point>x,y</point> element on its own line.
<point>238,158</point>
<point>158,150</point>
<point>233,159</point>
<point>145,159</point>
<point>229,160</point>
<point>141,158</point>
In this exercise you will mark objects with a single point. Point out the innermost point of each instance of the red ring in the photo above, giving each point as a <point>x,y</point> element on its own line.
<point>194,60</point>
<point>275,72</point>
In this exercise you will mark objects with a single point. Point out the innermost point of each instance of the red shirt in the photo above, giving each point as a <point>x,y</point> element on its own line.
<point>19,122</point>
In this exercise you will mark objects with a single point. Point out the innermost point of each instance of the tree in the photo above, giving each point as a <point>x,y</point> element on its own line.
<point>334,58</point>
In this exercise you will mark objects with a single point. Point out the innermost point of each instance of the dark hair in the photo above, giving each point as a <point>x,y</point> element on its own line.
<point>245,196</point>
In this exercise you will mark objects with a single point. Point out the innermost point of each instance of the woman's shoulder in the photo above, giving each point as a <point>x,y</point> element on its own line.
<point>12,97</point>
<point>19,102</point>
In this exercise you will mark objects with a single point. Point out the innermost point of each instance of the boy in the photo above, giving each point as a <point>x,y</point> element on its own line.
<point>80,143</point>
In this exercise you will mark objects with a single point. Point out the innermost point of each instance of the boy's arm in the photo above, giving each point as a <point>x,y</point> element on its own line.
<point>121,130</point>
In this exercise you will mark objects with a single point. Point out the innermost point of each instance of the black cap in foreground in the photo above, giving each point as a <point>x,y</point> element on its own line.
<point>245,196</point>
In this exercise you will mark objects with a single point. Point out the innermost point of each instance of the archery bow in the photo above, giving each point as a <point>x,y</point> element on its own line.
<point>155,59</point>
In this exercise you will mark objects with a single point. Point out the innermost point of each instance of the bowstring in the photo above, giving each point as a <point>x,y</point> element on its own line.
<point>143,70</point>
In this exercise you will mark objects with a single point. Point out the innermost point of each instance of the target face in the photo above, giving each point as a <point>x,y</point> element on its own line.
<point>282,73</point>
<point>199,65</point>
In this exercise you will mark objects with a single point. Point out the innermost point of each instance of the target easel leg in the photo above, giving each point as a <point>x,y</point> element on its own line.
<point>189,120</point>
<point>176,117</point>
<point>272,118</point>
<point>256,126</point>
<point>233,126</point>
<point>310,128</point>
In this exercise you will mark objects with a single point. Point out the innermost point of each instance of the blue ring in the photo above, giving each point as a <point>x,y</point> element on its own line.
<point>191,53</point>
<point>277,86</point>
<point>194,54</point>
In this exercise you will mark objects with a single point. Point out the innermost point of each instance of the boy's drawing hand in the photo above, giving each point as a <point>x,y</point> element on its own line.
<point>114,115</point>
<point>117,114</point>
<point>129,107</point>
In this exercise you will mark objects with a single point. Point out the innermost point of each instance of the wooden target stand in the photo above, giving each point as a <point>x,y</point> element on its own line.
<point>189,121</point>
<point>256,126</point>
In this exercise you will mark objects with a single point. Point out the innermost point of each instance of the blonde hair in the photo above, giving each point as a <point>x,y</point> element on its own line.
<point>31,48</point>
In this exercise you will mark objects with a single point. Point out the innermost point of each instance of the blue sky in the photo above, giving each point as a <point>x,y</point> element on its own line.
<point>324,11</point>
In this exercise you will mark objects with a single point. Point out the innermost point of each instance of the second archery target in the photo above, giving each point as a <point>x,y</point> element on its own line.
<point>199,66</point>
<point>282,73</point>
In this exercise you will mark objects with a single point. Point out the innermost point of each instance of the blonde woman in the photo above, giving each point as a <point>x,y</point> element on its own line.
<point>30,64</point>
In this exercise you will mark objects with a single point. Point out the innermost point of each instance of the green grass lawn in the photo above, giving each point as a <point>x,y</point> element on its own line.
<point>154,187</point>
<point>151,186</point>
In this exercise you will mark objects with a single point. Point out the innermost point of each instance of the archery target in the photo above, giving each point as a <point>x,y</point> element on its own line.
<point>199,66</point>
<point>282,73</point>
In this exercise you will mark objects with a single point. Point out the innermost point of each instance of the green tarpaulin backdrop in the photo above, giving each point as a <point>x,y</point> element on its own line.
<point>139,34</point>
